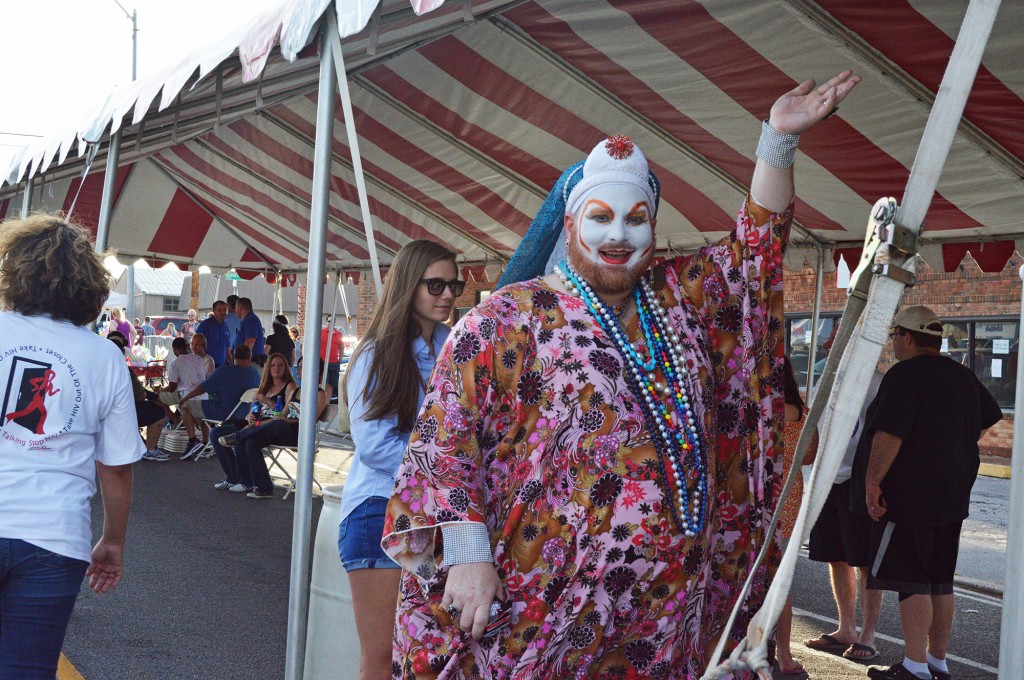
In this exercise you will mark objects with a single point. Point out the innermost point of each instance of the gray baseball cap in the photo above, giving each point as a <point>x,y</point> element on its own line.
<point>920,319</point>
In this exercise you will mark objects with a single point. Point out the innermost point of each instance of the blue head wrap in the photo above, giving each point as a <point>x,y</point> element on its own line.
<point>544,236</point>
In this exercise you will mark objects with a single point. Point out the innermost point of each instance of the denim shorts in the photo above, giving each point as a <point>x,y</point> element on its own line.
<point>359,537</point>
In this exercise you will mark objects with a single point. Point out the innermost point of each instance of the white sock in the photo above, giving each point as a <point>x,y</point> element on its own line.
<point>937,664</point>
<point>918,669</point>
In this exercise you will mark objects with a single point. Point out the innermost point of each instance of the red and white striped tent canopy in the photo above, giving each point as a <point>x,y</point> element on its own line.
<point>467,114</point>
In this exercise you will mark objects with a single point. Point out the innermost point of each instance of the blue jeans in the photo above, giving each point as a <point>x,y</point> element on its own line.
<point>249,449</point>
<point>38,589</point>
<point>359,537</point>
<point>236,469</point>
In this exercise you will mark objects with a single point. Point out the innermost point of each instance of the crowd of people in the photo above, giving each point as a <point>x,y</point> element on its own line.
<point>572,482</point>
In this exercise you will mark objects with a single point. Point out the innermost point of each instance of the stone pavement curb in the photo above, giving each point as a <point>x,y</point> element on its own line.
<point>978,585</point>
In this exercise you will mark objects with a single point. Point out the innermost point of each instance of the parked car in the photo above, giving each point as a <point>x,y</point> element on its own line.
<point>160,322</point>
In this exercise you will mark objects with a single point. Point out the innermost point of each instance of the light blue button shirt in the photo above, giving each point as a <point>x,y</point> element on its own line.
<point>380,445</point>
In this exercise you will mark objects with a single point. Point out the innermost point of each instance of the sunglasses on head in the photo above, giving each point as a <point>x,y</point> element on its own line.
<point>436,286</point>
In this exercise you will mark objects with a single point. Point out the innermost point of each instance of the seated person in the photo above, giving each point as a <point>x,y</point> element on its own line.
<point>147,412</point>
<point>280,429</point>
<point>278,381</point>
<point>226,385</point>
<point>185,373</point>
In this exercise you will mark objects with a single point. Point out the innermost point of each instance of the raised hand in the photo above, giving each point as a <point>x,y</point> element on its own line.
<point>802,107</point>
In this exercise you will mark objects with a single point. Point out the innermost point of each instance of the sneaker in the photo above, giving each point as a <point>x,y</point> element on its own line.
<point>223,486</point>
<point>156,455</point>
<point>897,671</point>
<point>239,488</point>
<point>227,440</point>
<point>258,494</point>
<point>192,448</point>
<point>939,675</point>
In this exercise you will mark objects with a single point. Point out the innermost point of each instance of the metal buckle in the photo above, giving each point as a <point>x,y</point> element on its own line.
<point>900,244</point>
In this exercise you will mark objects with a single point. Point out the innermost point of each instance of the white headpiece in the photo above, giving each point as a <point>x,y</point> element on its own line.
<point>616,160</point>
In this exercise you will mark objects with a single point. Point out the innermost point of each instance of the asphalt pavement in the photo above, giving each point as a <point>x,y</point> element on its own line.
<point>205,591</point>
<point>205,594</point>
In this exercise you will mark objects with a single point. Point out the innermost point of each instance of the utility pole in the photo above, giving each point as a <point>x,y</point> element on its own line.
<point>134,17</point>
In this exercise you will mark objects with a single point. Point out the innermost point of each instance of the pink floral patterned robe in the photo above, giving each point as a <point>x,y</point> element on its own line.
<point>529,427</point>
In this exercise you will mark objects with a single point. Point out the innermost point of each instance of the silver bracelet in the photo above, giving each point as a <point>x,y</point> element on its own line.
<point>777,149</point>
<point>466,542</point>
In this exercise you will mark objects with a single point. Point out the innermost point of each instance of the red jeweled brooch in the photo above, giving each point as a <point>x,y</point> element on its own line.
<point>619,147</point>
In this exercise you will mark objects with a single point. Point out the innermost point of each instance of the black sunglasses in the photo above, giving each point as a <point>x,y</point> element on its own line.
<point>436,286</point>
<point>897,333</point>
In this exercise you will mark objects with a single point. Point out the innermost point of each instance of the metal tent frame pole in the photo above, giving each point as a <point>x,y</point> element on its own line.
<point>26,199</point>
<point>1011,652</point>
<point>107,200</point>
<point>812,356</point>
<point>298,591</point>
<point>353,145</point>
<point>330,333</point>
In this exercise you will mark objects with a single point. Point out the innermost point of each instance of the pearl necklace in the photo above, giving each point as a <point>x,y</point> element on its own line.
<point>667,406</point>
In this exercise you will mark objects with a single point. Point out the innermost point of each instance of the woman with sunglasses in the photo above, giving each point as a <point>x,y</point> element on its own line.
<point>384,388</point>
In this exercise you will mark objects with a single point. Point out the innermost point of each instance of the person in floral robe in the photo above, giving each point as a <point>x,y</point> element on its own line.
<point>530,432</point>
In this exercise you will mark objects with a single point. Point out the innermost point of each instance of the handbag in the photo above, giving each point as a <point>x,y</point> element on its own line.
<point>173,441</point>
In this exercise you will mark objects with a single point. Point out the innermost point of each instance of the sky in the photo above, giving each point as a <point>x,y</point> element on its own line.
<point>63,57</point>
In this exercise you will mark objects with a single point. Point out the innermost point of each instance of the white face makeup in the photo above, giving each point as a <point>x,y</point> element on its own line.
<point>615,228</point>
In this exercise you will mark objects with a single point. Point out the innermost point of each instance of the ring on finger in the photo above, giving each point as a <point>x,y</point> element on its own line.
<point>453,611</point>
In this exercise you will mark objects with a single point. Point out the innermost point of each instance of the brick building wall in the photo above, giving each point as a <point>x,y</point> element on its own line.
<point>968,293</point>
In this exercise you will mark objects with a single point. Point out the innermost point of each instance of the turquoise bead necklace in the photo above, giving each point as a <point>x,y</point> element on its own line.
<point>667,406</point>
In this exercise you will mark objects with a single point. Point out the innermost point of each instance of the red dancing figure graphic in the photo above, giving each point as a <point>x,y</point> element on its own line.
<point>41,387</point>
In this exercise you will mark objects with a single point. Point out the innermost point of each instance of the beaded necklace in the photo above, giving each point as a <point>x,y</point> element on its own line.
<point>667,406</point>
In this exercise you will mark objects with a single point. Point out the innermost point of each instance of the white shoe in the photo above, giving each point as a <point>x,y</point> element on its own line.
<point>239,488</point>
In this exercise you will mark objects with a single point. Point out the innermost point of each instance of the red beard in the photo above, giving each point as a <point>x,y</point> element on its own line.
<point>605,279</point>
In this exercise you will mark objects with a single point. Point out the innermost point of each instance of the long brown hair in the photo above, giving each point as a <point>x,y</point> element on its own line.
<point>268,380</point>
<point>393,370</point>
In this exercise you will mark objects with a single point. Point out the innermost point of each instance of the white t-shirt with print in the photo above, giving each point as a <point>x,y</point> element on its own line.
<point>188,372</point>
<point>65,402</point>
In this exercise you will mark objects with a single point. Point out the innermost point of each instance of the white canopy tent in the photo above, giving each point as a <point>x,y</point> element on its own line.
<point>466,115</point>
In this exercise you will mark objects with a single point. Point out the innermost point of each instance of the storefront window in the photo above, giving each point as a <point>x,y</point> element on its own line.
<point>799,336</point>
<point>996,345</point>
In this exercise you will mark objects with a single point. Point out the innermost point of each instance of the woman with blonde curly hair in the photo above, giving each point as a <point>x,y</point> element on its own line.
<point>67,419</point>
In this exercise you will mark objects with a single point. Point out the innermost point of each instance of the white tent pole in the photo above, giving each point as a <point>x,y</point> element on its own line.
<point>1011,652</point>
<point>26,199</point>
<point>107,201</point>
<point>298,591</point>
<point>275,309</point>
<point>330,334</point>
<point>812,356</point>
<point>353,145</point>
<point>344,304</point>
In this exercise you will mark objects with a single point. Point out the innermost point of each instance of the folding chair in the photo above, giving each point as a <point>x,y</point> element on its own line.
<point>275,451</point>
<point>243,403</point>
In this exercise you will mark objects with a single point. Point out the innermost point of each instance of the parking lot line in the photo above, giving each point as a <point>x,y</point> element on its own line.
<point>65,671</point>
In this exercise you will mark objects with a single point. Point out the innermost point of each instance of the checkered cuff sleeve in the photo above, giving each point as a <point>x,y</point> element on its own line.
<point>776,148</point>
<point>466,542</point>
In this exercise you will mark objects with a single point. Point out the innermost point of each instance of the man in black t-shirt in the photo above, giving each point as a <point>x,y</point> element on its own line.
<point>913,473</point>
